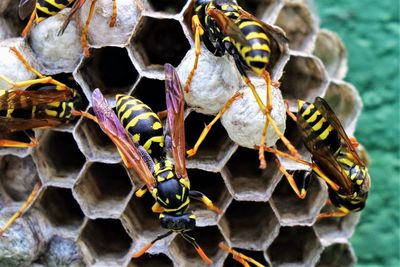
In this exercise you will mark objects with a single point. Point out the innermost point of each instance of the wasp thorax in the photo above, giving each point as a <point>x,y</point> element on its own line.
<point>184,222</point>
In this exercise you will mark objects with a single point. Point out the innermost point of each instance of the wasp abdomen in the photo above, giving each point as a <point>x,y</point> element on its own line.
<point>48,8</point>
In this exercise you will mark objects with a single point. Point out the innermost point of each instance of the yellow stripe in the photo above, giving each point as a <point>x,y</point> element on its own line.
<point>59,6</point>
<point>155,139</point>
<point>180,207</point>
<point>45,10</point>
<point>143,116</point>
<point>325,133</point>
<point>257,35</point>
<point>359,182</point>
<point>128,113</point>
<point>64,106</point>
<point>308,109</point>
<point>313,117</point>
<point>51,113</point>
<point>9,112</point>
<point>346,161</point>
<point>319,124</point>
<point>248,23</point>
<point>156,126</point>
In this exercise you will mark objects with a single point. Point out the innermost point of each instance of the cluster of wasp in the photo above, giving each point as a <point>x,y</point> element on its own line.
<point>142,141</point>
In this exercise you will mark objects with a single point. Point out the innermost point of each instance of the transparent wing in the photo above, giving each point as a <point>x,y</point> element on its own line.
<point>25,8</point>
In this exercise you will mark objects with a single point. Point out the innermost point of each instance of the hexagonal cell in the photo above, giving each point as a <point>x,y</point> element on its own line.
<point>346,103</point>
<point>304,78</point>
<point>60,208</point>
<point>152,47</point>
<point>167,6</point>
<point>298,23</point>
<point>250,225</point>
<point>151,92</point>
<point>159,260</point>
<point>292,210</point>
<point>102,246</point>
<point>255,255</point>
<point>330,49</point>
<point>295,246</point>
<point>215,148</point>
<point>103,190</point>
<point>107,68</point>
<point>261,9</point>
<point>54,167</point>
<point>334,229</point>
<point>208,238</point>
<point>18,176</point>
<point>212,185</point>
<point>94,143</point>
<point>244,178</point>
<point>340,254</point>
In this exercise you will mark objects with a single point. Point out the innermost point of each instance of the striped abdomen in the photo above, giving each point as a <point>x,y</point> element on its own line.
<point>142,123</point>
<point>48,8</point>
<point>316,131</point>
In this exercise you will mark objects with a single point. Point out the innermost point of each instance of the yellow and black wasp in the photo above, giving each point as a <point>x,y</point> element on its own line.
<point>49,105</point>
<point>137,132</point>
<point>334,158</point>
<point>39,10</point>
<point>223,26</point>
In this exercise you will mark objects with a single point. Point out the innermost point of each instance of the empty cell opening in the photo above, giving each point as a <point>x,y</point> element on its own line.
<point>18,176</point>
<point>103,186</point>
<point>295,19</point>
<point>255,255</point>
<point>250,222</point>
<point>160,41</point>
<point>159,260</point>
<point>151,92</point>
<point>216,142</point>
<point>256,7</point>
<point>335,227</point>
<point>207,238</point>
<point>168,6</point>
<point>111,70</point>
<point>210,184</point>
<point>290,206</point>
<point>64,164</point>
<point>106,239</point>
<point>299,243</point>
<point>337,255</point>
<point>303,79</point>
<point>245,174</point>
<point>60,207</point>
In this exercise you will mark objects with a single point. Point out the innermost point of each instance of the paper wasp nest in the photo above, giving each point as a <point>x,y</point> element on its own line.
<point>87,214</point>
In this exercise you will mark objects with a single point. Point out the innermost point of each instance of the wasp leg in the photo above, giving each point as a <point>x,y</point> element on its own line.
<point>198,32</point>
<point>240,257</point>
<point>12,143</point>
<point>338,213</point>
<point>354,142</point>
<point>29,25</point>
<point>203,198</point>
<point>84,40</point>
<point>261,156</point>
<point>207,128</point>
<point>156,208</point>
<point>301,193</point>
<point>199,250</point>
<point>290,114</point>
<point>22,209</point>
<point>150,244</point>
<point>114,14</point>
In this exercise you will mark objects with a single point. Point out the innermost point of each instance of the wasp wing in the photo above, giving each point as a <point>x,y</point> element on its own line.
<point>176,127</point>
<point>25,8</point>
<point>328,113</point>
<point>20,99</point>
<point>10,125</point>
<point>227,26</point>
<point>77,5</point>
<point>133,155</point>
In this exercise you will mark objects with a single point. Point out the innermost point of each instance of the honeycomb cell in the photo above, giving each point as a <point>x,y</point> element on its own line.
<point>244,178</point>
<point>295,246</point>
<point>255,255</point>
<point>58,162</point>
<point>62,252</point>
<point>159,260</point>
<point>263,10</point>
<point>305,78</point>
<point>151,92</point>
<point>167,6</point>
<point>298,23</point>
<point>208,238</point>
<point>103,190</point>
<point>345,102</point>
<point>216,147</point>
<point>102,246</point>
<point>292,210</point>
<point>330,49</point>
<point>331,230</point>
<point>94,143</point>
<point>212,185</point>
<point>159,41</point>
<point>107,68</point>
<point>339,254</point>
<point>250,225</point>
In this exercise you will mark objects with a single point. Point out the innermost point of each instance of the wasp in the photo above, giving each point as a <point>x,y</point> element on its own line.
<point>334,157</point>
<point>224,27</point>
<point>137,132</point>
<point>39,10</point>
<point>49,105</point>
<point>240,257</point>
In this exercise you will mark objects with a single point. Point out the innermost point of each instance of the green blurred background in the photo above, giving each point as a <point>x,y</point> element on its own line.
<point>370,30</point>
